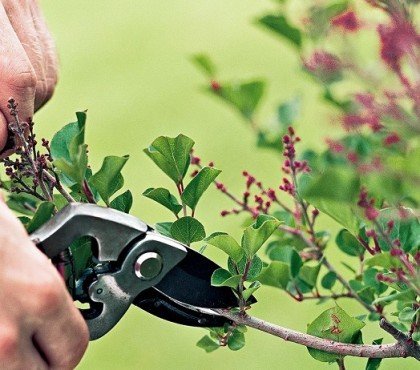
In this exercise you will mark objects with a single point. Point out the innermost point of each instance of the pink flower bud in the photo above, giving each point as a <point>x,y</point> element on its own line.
<point>371,233</point>
<point>371,213</point>
<point>396,252</point>
<point>215,86</point>
<point>392,138</point>
<point>347,21</point>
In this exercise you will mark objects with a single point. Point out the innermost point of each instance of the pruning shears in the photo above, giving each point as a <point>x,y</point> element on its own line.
<point>134,265</point>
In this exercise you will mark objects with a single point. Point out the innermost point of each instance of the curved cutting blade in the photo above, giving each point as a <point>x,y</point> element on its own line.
<point>158,304</point>
<point>189,282</point>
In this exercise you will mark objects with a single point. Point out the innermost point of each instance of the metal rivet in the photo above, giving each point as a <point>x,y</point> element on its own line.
<point>148,265</point>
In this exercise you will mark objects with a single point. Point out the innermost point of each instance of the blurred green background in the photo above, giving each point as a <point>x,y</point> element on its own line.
<point>127,62</point>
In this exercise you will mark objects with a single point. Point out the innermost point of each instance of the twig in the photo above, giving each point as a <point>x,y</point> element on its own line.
<point>412,347</point>
<point>88,192</point>
<point>57,184</point>
<point>343,349</point>
<point>340,363</point>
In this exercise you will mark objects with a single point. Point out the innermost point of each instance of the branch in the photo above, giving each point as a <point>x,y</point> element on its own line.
<point>311,245</point>
<point>395,350</point>
<point>412,347</point>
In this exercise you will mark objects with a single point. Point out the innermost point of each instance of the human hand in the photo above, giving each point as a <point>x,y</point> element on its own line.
<point>40,328</point>
<point>28,62</point>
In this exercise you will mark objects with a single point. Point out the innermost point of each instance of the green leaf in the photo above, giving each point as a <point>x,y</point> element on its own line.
<point>198,185</point>
<point>222,277</point>
<point>247,293</point>
<point>287,255</point>
<point>369,279</point>
<point>255,268</point>
<point>81,250</point>
<point>63,141</point>
<point>171,155</point>
<point>227,244</point>
<point>25,220</point>
<point>404,296</point>
<point>329,280</point>
<point>319,21</point>
<point>407,229</point>
<point>208,344</point>
<point>269,140</point>
<point>108,180</point>
<point>236,341</point>
<point>69,151</point>
<point>163,197</point>
<point>334,324</point>
<point>75,170</point>
<point>349,244</point>
<point>188,230</point>
<point>288,112</point>
<point>122,202</point>
<point>204,62</point>
<point>280,25</point>
<point>164,228</point>
<point>257,234</point>
<point>309,274</point>
<point>374,363</point>
<point>242,96</point>
<point>367,294</point>
<point>334,192</point>
<point>407,314</point>
<point>384,260</point>
<point>44,212</point>
<point>276,274</point>
<point>22,203</point>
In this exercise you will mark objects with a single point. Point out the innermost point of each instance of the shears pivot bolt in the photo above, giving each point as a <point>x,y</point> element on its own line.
<point>148,265</point>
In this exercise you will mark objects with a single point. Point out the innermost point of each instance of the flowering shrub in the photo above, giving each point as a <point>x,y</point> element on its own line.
<point>366,179</point>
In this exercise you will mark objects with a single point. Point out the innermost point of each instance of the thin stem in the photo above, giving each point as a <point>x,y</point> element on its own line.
<point>320,296</point>
<point>57,184</point>
<point>37,173</point>
<point>340,363</point>
<point>343,349</point>
<point>28,189</point>
<point>88,192</point>
<point>242,302</point>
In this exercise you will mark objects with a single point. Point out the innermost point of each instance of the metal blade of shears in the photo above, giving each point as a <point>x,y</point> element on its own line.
<point>185,295</point>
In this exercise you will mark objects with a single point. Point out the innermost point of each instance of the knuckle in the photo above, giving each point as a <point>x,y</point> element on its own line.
<point>49,297</point>
<point>9,343</point>
<point>22,80</point>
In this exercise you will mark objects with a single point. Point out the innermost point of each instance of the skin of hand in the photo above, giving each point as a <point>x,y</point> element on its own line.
<point>40,328</point>
<point>28,61</point>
